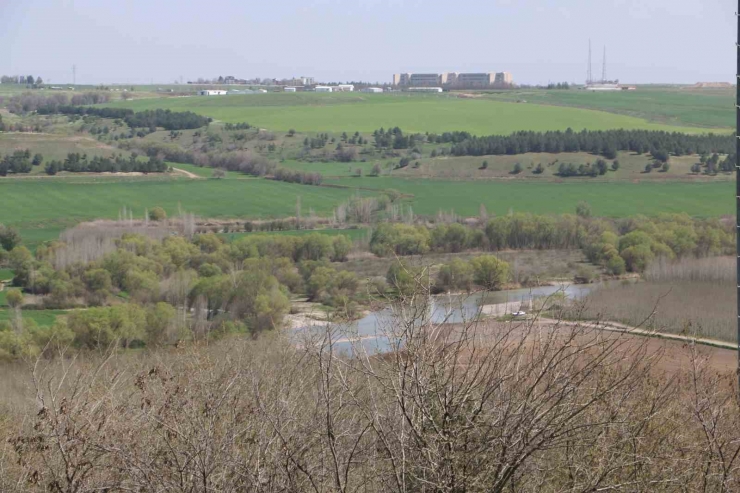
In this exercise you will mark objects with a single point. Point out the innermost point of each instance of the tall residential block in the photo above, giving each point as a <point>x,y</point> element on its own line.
<point>454,80</point>
<point>504,78</point>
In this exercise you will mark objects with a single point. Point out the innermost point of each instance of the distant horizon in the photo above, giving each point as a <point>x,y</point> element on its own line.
<point>537,41</point>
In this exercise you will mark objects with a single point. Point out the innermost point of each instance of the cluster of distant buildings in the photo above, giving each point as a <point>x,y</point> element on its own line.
<point>412,82</point>
<point>454,80</point>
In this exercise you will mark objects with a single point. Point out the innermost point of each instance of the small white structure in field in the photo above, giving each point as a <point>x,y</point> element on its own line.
<point>323,89</point>
<point>290,89</point>
<point>211,92</point>
<point>374,90</point>
<point>424,89</point>
<point>519,314</point>
<point>345,88</point>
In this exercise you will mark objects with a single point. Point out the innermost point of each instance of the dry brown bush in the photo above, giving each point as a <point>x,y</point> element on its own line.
<point>451,408</point>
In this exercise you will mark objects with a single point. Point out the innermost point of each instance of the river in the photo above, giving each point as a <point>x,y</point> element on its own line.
<point>443,309</point>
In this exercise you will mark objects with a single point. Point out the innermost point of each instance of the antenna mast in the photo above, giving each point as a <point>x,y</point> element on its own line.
<point>74,75</point>
<point>589,78</point>
<point>603,70</point>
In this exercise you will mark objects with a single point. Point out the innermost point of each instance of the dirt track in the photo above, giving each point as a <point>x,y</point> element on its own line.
<point>673,348</point>
<point>187,173</point>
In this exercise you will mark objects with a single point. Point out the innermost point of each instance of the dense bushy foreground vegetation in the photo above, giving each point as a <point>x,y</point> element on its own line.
<point>476,407</point>
<point>241,286</point>
<point>618,245</point>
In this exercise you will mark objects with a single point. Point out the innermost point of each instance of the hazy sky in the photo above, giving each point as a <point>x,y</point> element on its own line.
<point>137,41</point>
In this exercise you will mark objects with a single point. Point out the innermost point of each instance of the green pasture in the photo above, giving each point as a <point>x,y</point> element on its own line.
<point>51,204</point>
<point>311,112</point>
<point>6,274</point>
<point>332,168</point>
<point>204,172</point>
<point>671,106</point>
<point>614,199</point>
<point>41,317</point>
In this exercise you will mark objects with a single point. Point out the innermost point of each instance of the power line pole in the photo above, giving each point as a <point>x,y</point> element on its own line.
<point>589,77</point>
<point>74,75</point>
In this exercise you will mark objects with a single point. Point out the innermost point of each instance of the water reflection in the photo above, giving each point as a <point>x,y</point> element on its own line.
<point>442,308</point>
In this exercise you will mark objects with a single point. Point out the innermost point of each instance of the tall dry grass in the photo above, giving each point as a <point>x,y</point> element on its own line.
<point>696,297</point>
<point>712,269</point>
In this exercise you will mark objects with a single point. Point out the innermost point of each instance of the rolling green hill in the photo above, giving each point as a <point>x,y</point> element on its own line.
<point>312,112</point>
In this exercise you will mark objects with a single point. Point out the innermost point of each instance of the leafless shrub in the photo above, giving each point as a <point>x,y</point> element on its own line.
<point>475,406</point>
<point>88,242</point>
<point>360,209</point>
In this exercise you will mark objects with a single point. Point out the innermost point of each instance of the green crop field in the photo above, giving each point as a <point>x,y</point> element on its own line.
<point>615,199</point>
<point>677,106</point>
<point>413,113</point>
<point>50,204</point>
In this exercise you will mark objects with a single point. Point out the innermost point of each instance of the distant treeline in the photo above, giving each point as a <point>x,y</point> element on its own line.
<point>79,163</point>
<point>169,120</point>
<point>606,143</point>
<point>29,102</point>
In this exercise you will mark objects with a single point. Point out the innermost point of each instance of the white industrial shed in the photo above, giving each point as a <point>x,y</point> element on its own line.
<point>323,89</point>
<point>211,92</point>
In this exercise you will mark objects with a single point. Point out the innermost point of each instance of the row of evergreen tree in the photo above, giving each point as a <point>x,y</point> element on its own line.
<point>19,162</point>
<point>79,163</point>
<point>606,143</point>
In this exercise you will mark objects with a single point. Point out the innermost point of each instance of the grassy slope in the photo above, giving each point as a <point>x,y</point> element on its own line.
<point>706,107</point>
<point>330,169</point>
<point>413,113</point>
<point>55,203</point>
<point>632,167</point>
<point>53,146</point>
<point>606,199</point>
